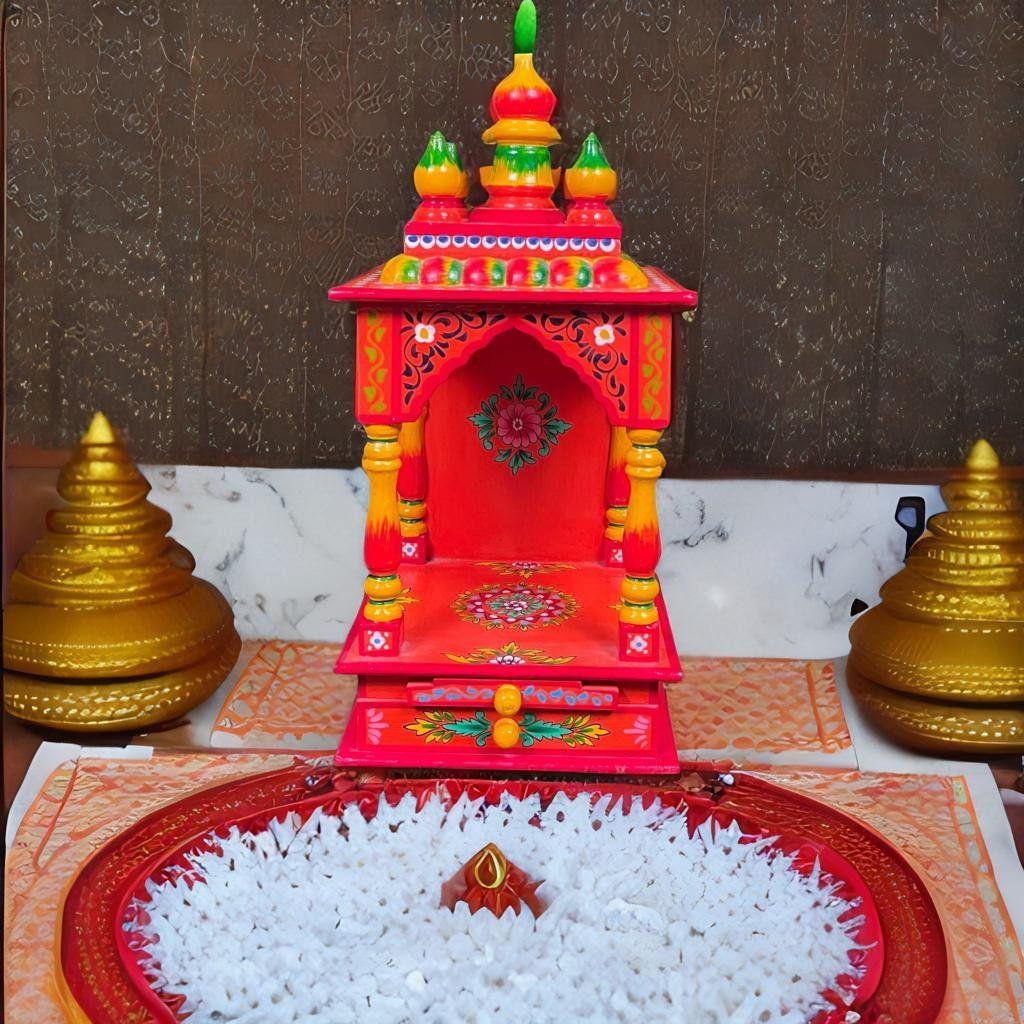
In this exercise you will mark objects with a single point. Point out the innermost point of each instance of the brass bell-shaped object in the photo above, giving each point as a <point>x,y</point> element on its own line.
<point>106,627</point>
<point>939,663</point>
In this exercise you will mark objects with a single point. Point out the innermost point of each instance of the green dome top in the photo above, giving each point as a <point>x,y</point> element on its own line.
<point>524,30</point>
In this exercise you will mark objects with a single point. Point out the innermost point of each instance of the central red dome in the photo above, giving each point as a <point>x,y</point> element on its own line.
<point>523,93</point>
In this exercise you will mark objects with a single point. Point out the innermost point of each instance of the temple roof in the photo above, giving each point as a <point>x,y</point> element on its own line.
<point>519,245</point>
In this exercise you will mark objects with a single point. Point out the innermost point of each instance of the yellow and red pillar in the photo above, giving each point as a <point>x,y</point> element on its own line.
<point>412,491</point>
<point>641,549</point>
<point>381,632</point>
<point>616,496</point>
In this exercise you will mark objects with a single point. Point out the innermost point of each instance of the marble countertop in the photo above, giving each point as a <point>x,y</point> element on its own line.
<point>750,568</point>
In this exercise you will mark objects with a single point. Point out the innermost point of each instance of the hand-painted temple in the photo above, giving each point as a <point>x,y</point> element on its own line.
<point>514,378</point>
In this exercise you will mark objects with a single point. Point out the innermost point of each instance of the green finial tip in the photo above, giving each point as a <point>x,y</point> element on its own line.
<point>524,31</point>
<point>453,154</point>
<point>436,152</point>
<point>591,154</point>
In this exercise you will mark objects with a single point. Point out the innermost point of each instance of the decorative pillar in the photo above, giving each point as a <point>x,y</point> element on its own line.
<point>616,494</point>
<point>382,544</point>
<point>641,549</point>
<point>412,491</point>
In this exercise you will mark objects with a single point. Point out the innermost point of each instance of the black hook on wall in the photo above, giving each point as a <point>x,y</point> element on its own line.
<point>910,515</point>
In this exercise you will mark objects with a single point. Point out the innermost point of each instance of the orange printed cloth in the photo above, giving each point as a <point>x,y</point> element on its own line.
<point>930,818</point>
<point>289,696</point>
<point>740,709</point>
<point>80,807</point>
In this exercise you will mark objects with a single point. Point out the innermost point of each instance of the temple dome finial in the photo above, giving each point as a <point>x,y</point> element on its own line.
<point>590,184</point>
<point>522,105</point>
<point>524,29</point>
<point>441,182</point>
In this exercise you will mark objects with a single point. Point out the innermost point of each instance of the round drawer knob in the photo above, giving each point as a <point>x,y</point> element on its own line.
<point>507,699</point>
<point>506,733</point>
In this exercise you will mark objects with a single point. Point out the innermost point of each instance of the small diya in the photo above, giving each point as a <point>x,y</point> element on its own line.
<point>490,881</point>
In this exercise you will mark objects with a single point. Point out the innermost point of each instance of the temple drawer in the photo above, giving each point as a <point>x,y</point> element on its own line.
<point>458,730</point>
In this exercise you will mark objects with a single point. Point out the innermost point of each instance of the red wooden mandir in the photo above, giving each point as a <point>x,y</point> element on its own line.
<point>513,375</point>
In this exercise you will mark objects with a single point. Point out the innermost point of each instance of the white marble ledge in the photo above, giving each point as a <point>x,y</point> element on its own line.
<point>285,547</point>
<point>751,568</point>
<point>768,568</point>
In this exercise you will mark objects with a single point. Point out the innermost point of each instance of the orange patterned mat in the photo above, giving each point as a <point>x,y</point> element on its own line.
<point>931,819</point>
<point>759,705</point>
<point>288,695</point>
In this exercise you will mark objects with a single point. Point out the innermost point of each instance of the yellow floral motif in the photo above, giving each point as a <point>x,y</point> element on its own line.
<point>524,568</point>
<point>443,727</point>
<point>581,732</point>
<point>510,654</point>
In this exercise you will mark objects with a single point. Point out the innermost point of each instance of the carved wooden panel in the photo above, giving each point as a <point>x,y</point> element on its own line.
<point>841,181</point>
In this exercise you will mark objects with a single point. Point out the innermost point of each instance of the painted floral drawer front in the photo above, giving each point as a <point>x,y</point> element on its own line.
<point>462,728</point>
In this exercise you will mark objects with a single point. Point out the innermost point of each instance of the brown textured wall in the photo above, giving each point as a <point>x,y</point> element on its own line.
<point>842,181</point>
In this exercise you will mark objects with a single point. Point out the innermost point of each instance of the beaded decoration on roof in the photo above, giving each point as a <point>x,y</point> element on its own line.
<point>519,238</point>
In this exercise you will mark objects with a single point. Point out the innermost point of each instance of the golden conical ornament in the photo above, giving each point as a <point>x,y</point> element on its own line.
<point>106,627</point>
<point>940,727</point>
<point>948,636</point>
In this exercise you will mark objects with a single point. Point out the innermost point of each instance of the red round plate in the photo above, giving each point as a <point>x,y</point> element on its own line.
<point>903,968</point>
